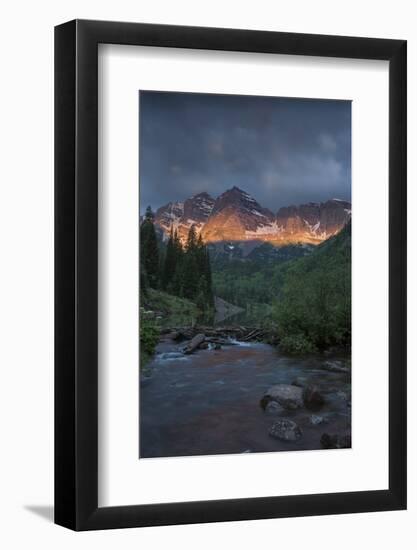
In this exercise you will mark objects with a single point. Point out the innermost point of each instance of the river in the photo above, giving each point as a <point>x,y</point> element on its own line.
<point>209,402</point>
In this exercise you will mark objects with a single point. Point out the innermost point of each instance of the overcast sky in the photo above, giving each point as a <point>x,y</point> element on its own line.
<point>282,151</point>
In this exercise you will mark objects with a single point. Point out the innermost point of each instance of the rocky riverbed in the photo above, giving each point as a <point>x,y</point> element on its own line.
<point>220,394</point>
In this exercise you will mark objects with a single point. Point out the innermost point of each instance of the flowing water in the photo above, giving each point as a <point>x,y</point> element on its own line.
<point>209,402</point>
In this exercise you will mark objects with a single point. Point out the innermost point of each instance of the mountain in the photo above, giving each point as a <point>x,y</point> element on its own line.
<point>235,216</point>
<point>182,215</point>
<point>313,222</point>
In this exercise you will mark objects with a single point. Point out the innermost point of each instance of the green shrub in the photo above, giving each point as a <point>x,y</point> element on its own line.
<point>149,335</point>
<point>297,344</point>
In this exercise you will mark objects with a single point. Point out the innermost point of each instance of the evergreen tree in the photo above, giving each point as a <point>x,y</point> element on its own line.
<point>189,276</point>
<point>182,270</point>
<point>190,268</point>
<point>168,271</point>
<point>143,282</point>
<point>207,275</point>
<point>194,276</point>
<point>201,295</point>
<point>179,250</point>
<point>192,243</point>
<point>205,285</point>
<point>176,284</point>
<point>149,252</point>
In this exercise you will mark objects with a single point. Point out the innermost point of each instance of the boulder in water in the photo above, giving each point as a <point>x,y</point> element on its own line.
<point>299,381</point>
<point>289,397</point>
<point>312,398</point>
<point>285,430</point>
<point>273,408</point>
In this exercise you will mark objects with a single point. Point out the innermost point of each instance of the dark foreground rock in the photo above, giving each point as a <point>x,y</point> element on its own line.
<point>335,441</point>
<point>274,408</point>
<point>299,381</point>
<point>289,397</point>
<point>285,430</point>
<point>312,397</point>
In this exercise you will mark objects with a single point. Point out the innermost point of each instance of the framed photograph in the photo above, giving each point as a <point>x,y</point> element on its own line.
<point>230,337</point>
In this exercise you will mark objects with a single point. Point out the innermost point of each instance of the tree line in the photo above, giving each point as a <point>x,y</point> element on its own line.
<point>181,270</point>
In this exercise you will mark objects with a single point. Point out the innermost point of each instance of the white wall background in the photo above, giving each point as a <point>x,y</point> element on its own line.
<point>26,289</point>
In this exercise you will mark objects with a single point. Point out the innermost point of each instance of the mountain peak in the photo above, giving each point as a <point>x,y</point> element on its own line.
<point>235,190</point>
<point>203,194</point>
<point>236,194</point>
<point>239,198</point>
<point>236,216</point>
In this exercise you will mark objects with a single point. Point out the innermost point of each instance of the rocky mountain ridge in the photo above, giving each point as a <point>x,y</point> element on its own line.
<point>235,216</point>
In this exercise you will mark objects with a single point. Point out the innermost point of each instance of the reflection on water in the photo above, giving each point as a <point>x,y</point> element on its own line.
<point>208,402</point>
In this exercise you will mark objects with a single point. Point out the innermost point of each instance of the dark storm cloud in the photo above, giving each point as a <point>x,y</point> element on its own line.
<point>282,151</point>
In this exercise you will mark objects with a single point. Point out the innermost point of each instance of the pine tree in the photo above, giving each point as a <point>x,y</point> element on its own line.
<point>185,270</point>
<point>143,283</point>
<point>176,285</point>
<point>208,277</point>
<point>201,254</point>
<point>149,253</point>
<point>201,295</point>
<point>190,268</point>
<point>192,240</point>
<point>169,266</point>
<point>190,276</point>
<point>179,250</point>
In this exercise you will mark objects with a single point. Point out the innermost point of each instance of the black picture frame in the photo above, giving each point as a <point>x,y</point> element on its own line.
<point>76,271</point>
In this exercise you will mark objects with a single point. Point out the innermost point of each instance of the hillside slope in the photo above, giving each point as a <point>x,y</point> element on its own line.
<point>313,310</point>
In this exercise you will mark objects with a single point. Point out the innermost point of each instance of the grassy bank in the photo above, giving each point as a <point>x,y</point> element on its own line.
<point>162,310</point>
<point>169,310</point>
